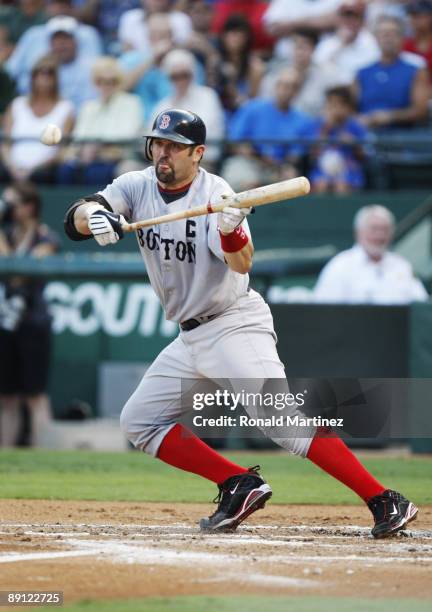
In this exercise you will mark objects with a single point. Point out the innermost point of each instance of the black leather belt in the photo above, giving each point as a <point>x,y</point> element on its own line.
<point>190,324</point>
<point>193,323</point>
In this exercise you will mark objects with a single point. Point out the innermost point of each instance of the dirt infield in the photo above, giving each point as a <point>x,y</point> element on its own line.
<point>119,550</point>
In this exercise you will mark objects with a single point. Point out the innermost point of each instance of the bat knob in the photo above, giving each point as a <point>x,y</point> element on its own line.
<point>305,184</point>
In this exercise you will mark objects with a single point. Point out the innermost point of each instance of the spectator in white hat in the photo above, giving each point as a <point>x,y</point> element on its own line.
<point>76,83</point>
<point>35,43</point>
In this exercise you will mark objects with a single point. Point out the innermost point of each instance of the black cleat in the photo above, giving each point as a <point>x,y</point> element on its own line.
<point>239,496</point>
<point>392,512</point>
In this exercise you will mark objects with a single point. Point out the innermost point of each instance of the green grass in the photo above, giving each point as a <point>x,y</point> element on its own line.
<point>85,475</point>
<point>251,604</point>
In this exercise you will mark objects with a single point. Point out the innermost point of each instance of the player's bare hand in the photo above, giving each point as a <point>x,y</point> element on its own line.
<point>105,226</point>
<point>230,218</point>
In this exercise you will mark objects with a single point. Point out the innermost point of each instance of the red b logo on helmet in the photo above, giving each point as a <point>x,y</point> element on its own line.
<point>164,122</point>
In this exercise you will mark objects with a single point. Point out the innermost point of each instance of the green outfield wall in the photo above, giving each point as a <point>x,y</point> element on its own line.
<point>111,331</point>
<point>97,322</point>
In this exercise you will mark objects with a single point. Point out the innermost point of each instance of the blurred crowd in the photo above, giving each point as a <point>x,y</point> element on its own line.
<point>283,86</point>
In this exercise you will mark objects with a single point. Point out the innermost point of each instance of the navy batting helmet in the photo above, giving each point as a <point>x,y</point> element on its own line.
<point>176,125</point>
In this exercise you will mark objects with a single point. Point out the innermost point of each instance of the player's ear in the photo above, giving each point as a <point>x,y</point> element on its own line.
<point>197,153</point>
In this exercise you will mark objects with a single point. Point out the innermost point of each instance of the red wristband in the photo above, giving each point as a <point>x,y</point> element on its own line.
<point>235,241</point>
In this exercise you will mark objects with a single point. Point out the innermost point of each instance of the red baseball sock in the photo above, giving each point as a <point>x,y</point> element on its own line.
<point>334,457</point>
<point>182,449</point>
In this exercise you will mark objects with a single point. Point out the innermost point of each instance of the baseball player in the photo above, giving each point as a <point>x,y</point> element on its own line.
<point>199,269</point>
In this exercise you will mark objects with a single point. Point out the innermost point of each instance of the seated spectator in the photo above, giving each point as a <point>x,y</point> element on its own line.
<point>133,29</point>
<point>24,15</point>
<point>253,11</point>
<point>104,15</point>
<point>142,69</point>
<point>36,42</point>
<point>369,273</point>
<point>260,122</point>
<point>26,118</point>
<point>282,18</point>
<point>180,66</point>
<point>420,42</point>
<point>315,79</point>
<point>337,164</point>
<point>74,69</point>
<point>113,117</point>
<point>25,323</point>
<point>352,46</point>
<point>392,92</point>
<point>240,71</point>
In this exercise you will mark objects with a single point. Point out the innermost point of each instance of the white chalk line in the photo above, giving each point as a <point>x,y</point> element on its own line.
<point>179,529</point>
<point>149,548</point>
<point>153,553</point>
<point>276,581</point>
<point>401,550</point>
<point>214,556</point>
<point>43,556</point>
<point>118,552</point>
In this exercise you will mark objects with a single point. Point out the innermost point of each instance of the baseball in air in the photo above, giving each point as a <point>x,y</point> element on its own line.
<point>51,134</point>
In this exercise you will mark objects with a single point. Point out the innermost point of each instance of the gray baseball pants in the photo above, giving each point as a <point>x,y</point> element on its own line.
<point>240,344</point>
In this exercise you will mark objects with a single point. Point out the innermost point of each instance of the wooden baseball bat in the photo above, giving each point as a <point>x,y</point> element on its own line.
<point>284,190</point>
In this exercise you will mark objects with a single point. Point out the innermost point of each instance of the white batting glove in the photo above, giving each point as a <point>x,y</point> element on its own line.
<point>104,225</point>
<point>230,218</point>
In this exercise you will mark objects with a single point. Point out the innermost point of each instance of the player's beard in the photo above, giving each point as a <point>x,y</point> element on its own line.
<point>165,176</point>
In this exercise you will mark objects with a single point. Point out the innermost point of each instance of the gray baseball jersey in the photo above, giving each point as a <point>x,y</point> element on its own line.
<point>184,258</point>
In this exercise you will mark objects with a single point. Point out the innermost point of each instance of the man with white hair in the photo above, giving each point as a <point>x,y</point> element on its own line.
<point>180,66</point>
<point>368,272</point>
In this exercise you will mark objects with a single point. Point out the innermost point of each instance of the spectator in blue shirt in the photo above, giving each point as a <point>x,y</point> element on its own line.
<point>142,69</point>
<point>337,162</point>
<point>35,43</point>
<point>261,120</point>
<point>268,129</point>
<point>392,92</point>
